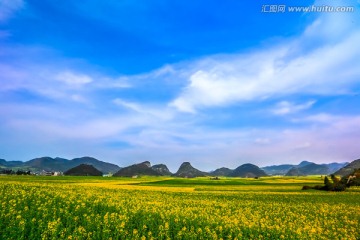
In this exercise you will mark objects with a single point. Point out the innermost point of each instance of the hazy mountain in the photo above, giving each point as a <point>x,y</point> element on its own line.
<point>143,168</point>
<point>83,170</point>
<point>48,164</point>
<point>102,166</point>
<point>294,172</point>
<point>305,169</point>
<point>162,169</point>
<point>333,167</point>
<point>188,171</point>
<point>221,172</point>
<point>309,169</point>
<point>277,169</point>
<point>9,164</point>
<point>60,164</point>
<point>284,168</point>
<point>248,170</point>
<point>349,168</point>
<point>304,163</point>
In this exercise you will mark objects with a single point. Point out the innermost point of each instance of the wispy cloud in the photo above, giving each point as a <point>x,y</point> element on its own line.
<point>73,79</point>
<point>262,141</point>
<point>130,105</point>
<point>323,118</point>
<point>285,107</point>
<point>157,112</point>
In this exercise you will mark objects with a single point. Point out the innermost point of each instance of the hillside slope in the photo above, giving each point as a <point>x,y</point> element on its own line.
<point>310,169</point>
<point>59,164</point>
<point>248,170</point>
<point>143,168</point>
<point>349,168</point>
<point>221,172</point>
<point>188,171</point>
<point>83,170</point>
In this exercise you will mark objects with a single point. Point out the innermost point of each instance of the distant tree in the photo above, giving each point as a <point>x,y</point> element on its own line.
<point>334,179</point>
<point>336,184</point>
<point>7,171</point>
<point>352,179</point>
<point>22,172</point>
<point>306,188</point>
<point>328,184</point>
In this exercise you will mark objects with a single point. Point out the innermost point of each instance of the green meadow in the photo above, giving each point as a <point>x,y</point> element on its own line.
<point>34,207</point>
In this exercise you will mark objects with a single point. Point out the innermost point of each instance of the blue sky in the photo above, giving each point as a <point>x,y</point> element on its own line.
<point>213,83</point>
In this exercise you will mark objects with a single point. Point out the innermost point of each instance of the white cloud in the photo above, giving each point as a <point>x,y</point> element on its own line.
<point>79,98</point>
<point>309,64</point>
<point>130,105</point>
<point>108,82</point>
<point>328,138</point>
<point>318,118</point>
<point>303,145</point>
<point>212,148</point>
<point>285,107</point>
<point>151,112</point>
<point>262,141</point>
<point>73,79</point>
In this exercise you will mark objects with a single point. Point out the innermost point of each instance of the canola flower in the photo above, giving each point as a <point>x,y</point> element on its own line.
<point>49,210</point>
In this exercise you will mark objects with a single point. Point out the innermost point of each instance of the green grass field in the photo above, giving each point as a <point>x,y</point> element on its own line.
<point>175,208</point>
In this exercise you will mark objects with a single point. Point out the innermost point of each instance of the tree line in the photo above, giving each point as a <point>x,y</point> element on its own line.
<point>338,184</point>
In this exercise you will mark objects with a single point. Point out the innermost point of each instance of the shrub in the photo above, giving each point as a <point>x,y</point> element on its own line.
<point>339,188</point>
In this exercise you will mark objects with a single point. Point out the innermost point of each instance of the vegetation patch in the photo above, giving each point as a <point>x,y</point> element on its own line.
<point>34,207</point>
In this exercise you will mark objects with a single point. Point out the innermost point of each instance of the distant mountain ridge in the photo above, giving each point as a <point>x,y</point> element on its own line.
<point>9,164</point>
<point>277,169</point>
<point>221,172</point>
<point>349,168</point>
<point>139,169</point>
<point>248,170</point>
<point>162,169</point>
<point>188,171</point>
<point>185,170</point>
<point>83,170</point>
<point>304,168</point>
<point>59,164</point>
<point>244,170</point>
<point>310,169</point>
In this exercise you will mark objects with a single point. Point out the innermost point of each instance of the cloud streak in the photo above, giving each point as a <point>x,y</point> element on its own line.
<point>73,79</point>
<point>285,107</point>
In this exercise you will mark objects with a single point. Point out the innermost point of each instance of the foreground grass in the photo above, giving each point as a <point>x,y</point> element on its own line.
<point>172,208</point>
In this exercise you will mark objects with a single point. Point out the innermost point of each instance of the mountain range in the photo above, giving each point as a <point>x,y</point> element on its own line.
<point>248,170</point>
<point>304,168</point>
<point>185,170</point>
<point>58,164</point>
<point>188,171</point>
<point>349,168</point>
<point>83,170</point>
<point>143,168</point>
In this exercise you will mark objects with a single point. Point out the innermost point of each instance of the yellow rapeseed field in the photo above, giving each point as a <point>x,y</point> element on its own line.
<point>80,209</point>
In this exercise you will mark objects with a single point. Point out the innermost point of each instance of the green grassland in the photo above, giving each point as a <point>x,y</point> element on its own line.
<point>47,207</point>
